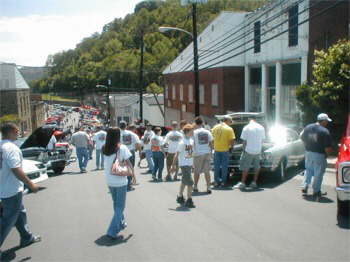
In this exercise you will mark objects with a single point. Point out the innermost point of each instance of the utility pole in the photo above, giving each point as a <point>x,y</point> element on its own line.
<point>195,60</point>
<point>108,103</point>
<point>141,77</point>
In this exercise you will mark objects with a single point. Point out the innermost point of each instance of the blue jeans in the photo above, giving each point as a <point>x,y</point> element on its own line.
<point>158,158</point>
<point>83,157</point>
<point>315,164</point>
<point>132,160</point>
<point>99,158</point>
<point>14,214</point>
<point>149,158</point>
<point>118,221</point>
<point>221,166</point>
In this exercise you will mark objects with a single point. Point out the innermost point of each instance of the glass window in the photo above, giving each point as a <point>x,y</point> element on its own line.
<point>272,76</point>
<point>190,93</point>
<point>293,25</point>
<point>255,76</point>
<point>291,74</point>
<point>214,95</point>
<point>257,37</point>
<point>181,93</point>
<point>201,94</point>
<point>166,92</point>
<point>174,93</point>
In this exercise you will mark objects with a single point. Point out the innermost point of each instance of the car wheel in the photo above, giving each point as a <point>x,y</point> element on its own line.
<point>343,207</point>
<point>58,170</point>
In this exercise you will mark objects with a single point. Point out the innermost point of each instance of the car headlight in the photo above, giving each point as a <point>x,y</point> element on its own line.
<point>346,174</point>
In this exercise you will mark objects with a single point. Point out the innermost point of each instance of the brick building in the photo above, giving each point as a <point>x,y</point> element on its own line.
<point>15,96</point>
<point>38,109</point>
<point>270,50</point>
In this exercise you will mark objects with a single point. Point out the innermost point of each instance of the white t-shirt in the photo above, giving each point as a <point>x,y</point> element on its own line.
<point>173,138</point>
<point>130,139</point>
<point>100,139</point>
<point>202,139</point>
<point>156,143</point>
<point>52,143</point>
<point>254,135</point>
<point>146,139</point>
<point>112,180</point>
<point>10,157</point>
<point>185,149</point>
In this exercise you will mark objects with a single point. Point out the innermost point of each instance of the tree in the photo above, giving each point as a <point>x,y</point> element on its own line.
<point>329,89</point>
<point>9,118</point>
<point>153,88</point>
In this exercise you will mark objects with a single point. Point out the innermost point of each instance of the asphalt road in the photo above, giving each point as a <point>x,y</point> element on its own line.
<point>272,224</point>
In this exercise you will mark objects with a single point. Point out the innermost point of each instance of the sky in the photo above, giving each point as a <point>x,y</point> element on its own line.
<point>30,30</point>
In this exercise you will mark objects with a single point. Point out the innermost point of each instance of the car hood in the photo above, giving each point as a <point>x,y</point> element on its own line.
<point>30,166</point>
<point>239,147</point>
<point>39,138</point>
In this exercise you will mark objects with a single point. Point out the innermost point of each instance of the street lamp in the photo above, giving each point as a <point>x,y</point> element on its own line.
<point>195,54</point>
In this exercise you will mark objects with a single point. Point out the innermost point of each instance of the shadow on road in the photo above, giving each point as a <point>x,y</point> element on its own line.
<point>180,209</point>
<point>10,255</point>
<point>107,242</point>
<point>323,199</point>
<point>200,194</point>
<point>343,222</point>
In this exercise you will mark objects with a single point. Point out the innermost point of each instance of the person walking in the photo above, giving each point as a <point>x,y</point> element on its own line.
<point>80,140</point>
<point>12,180</point>
<point>146,141</point>
<point>157,143</point>
<point>99,140</point>
<point>184,153</point>
<point>91,142</point>
<point>203,144</point>
<point>318,144</point>
<point>224,138</point>
<point>132,141</point>
<point>253,136</point>
<point>172,139</point>
<point>117,184</point>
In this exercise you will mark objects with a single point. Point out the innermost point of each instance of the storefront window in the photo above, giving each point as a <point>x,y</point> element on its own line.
<point>255,90</point>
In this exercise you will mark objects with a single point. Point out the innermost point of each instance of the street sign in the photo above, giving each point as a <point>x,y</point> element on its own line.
<point>187,2</point>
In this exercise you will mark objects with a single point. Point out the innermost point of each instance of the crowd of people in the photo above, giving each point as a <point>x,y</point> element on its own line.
<point>186,150</point>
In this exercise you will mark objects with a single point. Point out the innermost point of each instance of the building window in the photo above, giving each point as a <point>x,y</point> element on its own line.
<point>174,93</point>
<point>181,93</point>
<point>255,76</point>
<point>214,95</point>
<point>255,90</point>
<point>201,94</point>
<point>183,108</point>
<point>169,103</point>
<point>257,37</point>
<point>166,92</point>
<point>190,93</point>
<point>272,76</point>
<point>291,74</point>
<point>293,25</point>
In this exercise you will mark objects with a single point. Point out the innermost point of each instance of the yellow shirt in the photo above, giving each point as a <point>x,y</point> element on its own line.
<point>223,135</point>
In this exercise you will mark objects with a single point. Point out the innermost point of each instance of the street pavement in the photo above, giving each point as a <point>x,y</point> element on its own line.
<point>274,223</point>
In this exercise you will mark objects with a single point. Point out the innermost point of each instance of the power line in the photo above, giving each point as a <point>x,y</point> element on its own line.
<point>269,39</point>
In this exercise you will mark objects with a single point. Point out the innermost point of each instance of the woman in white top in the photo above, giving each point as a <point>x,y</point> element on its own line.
<point>117,184</point>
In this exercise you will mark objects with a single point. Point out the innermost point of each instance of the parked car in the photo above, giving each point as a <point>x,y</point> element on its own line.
<point>343,175</point>
<point>282,148</point>
<point>35,148</point>
<point>36,171</point>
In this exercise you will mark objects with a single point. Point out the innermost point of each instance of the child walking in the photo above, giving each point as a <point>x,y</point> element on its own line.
<point>184,153</point>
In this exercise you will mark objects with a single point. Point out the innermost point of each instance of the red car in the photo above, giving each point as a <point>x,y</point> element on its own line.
<point>343,174</point>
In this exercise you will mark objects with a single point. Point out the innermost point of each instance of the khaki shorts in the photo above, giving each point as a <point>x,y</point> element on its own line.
<point>170,159</point>
<point>201,163</point>
<point>250,161</point>
<point>187,179</point>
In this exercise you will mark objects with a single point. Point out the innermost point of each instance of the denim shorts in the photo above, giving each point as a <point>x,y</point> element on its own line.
<point>249,161</point>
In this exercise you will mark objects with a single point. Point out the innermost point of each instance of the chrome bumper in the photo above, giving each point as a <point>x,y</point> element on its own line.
<point>343,193</point>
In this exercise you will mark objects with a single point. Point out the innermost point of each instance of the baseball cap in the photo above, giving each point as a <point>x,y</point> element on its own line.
<point>174,123</point>
<point>323,117</point>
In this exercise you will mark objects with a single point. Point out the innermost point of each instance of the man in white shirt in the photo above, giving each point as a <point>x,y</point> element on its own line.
<point>133,143</point>
<point>99,140</point>
<point>203,144</point>
<point>80,140</point>
<point>12,180</point>
<point>172,139</point>
<point>253,136</point>
<point>147,146</point>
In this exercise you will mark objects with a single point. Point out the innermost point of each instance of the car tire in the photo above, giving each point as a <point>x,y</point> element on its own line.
<point>343,208</point>
<point>281,170</point>
<point>58,170</point>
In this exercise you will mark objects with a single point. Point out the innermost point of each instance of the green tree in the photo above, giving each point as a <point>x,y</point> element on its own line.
<point>154,88</point>
<point>329,90</point>
<point>9,118</point>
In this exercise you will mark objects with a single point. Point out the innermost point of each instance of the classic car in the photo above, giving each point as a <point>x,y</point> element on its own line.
<point>35,148</point>
<point>282,148</point>
<point>343,175</point>
<point>36,171</point>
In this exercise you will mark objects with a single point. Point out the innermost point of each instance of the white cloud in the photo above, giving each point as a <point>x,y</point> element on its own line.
<point>29,40</point>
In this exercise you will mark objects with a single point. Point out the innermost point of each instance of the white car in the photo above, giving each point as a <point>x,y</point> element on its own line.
<point>36,171</point>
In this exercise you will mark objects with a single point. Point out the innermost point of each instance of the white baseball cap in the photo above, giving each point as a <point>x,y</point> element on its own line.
<point>323,117</point>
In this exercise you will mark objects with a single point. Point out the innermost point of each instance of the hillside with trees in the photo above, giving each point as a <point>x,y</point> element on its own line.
<point>115,52</point>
